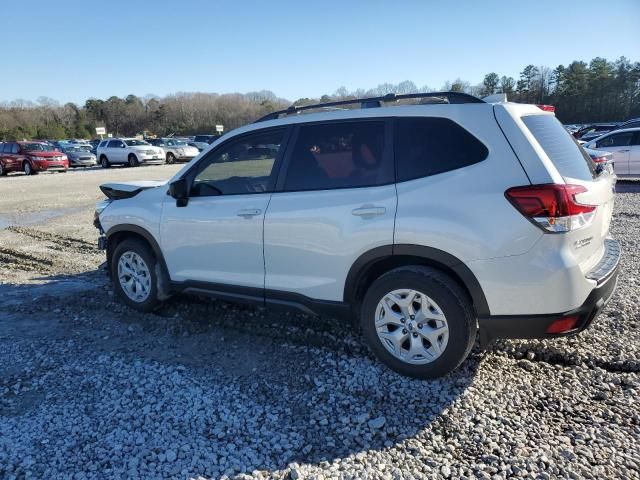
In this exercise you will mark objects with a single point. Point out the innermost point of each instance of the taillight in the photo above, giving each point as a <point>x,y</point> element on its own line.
<point>547,108</point>
<point>599,159</point>
<point>552,207</point>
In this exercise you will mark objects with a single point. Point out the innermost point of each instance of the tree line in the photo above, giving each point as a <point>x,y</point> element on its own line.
<point>600,90</point>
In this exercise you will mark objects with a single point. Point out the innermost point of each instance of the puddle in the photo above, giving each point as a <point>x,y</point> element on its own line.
<point>32,218</point>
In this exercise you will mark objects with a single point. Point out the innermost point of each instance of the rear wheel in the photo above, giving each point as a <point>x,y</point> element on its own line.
<point>104,161</point>
<point>3,171</point>
<point>171,158</point>
<point>133,160</point>
<point>133,271</point>
<point>418,321</point>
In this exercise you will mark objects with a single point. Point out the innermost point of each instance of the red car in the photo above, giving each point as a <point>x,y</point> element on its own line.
<point>31,158</point>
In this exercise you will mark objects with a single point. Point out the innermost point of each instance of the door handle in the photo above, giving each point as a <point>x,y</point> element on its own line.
<point>623,151</point>
<point>249,212</point>
<point>368,211</point>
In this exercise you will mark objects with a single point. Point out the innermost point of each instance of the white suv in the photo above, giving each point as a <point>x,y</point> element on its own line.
<point>424,223</point>
<point>128,151</point>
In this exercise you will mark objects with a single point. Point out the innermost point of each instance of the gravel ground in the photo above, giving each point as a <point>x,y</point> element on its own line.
<point>206,389</point>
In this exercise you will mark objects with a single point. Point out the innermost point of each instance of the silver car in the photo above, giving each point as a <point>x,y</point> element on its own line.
<point>80,155</point>
<point>175,150</point>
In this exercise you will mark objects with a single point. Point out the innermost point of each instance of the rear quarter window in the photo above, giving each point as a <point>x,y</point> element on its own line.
<point>427,146</point>
<point>561,148</point>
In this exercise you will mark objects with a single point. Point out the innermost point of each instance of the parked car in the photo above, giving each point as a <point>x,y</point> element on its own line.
<point>469,216</point>
<point>603,161</point>
<point>632,123</point>
<point>593,131</point>
<point>94,145</point>
<point>175,150</point>
<point>31,158</point>
<point>128,151</point>
<point>625,147</point>
<point>80,155</point>
<point>203,141</point>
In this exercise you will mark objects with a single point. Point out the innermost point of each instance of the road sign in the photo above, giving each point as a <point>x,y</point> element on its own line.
<point>101,131</point>
<point>219,128</point>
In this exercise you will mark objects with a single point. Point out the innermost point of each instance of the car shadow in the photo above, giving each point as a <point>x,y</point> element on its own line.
<point>287,386</point>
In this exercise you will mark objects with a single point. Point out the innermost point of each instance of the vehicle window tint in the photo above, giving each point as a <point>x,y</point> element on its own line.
<point>615,140</point>
<point>14,148</point>
<point>561,148</point>
<point>4,147</point>
<point>241,166</point>
<point>636,139</point>
<point>428,146</point>
<point>339,155</point>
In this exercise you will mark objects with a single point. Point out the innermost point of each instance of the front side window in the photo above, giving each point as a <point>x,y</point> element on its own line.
<point>14,148</point>
<point>616,140</point>
<point>136,143</point>
<point>427,146</point>
<point>339,155</point>
<point>240,166</point>
<point>37,147</point>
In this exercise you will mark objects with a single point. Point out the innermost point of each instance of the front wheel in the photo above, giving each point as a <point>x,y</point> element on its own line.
<point>133,271</point>
<point>3,171</point>
<point>418,321</point>
<point>28,169</point>
<point>104,162</point>
<point>171,158</point>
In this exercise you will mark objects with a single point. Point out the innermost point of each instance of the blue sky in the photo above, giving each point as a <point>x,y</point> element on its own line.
<point>73,50</point>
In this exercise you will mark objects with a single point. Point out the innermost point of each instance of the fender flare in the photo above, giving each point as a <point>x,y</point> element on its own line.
<point>432,255</point>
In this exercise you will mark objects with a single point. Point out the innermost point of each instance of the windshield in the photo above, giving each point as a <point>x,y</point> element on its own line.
<point>175,142</point>
<point>78,148</point>
<point>133,143</point>
<point>37,147</point>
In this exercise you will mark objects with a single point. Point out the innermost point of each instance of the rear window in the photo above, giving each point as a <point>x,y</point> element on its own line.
<point>561,148</point>
<point>427,146</point>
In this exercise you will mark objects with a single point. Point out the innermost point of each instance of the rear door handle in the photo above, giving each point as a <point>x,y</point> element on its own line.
<point>249,212</point>
<point>368,211</point>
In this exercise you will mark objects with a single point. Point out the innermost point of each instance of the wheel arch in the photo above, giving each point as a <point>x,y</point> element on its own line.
<point>118,233</point>
<point>380,260</point>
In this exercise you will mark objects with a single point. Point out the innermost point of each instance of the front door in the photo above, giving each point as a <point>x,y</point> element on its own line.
<point>217,237</point>
<point>634,155</point>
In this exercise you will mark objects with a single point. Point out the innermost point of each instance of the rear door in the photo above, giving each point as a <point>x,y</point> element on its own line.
<point>576,168</point>
<point>619,144</point>
<point>334,201</point>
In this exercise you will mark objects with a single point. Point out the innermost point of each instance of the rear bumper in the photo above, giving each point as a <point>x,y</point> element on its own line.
<point>605,274</point>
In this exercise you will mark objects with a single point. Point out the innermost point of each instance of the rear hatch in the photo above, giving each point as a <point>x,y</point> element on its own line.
<point>567,163</point>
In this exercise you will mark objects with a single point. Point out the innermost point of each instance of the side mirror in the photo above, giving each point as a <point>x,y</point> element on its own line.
<point>180,191</point>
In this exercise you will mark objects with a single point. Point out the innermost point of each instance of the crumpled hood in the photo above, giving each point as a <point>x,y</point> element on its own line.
<point>120,190</point>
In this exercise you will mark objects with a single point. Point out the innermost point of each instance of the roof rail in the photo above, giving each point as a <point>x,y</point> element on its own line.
<point>373,102</point>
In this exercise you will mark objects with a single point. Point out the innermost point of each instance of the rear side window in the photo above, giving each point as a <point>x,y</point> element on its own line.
<point>428,145</point>
<point>616,140</point>
<point>339,155</point>
<point>561,148</point>
<point>14,148</point>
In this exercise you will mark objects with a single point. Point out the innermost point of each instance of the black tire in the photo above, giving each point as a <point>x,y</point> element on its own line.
<point>104,161</point>
<point>3,171</point>
<point>171,158</point>
<point>450,297</point>
<point>133,160</point>
<point>133,245</point>
<point>28,169</point>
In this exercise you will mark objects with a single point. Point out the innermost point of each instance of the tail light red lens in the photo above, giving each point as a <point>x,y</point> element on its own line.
<point>552,207</point>
<point>599,159</point>
<point>547,108</point>
<point>564,324</point>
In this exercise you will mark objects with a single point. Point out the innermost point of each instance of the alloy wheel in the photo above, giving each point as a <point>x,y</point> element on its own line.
<point>411,326</point>
<point>134,276</point>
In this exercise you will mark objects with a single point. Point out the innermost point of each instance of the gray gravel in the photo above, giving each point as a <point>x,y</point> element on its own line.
<point>203,389</point>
